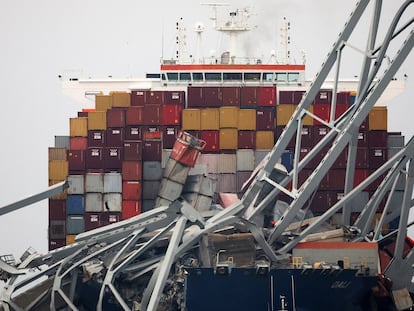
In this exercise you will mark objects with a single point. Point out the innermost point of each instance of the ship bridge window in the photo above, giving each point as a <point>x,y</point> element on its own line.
<point>293,76</point>
<point>197,76</point>
<point>268,76</point>
<point>252,76</point>
<point>231,76</point>
<point>281,76</point>
<point>185,76</point>
<point>163,76</point>
<point>172,76</point>
<point>213,76</point>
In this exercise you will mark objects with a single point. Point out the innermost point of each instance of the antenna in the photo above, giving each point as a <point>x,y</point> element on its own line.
<point>214,7</point>
<point>285,41</point>
<point>181,41</point>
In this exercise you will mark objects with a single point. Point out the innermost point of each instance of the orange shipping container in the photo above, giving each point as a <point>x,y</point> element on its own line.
<point>378,117</point>
<point>247,119</point>
<point>191,119</point>
<point>70,239</point>
<point>78,127</point>
<point>229,117</point>
<point>58,170</point>
<point>228,139</point>
<point>103,102</point>
<point>97,120</point>
<point>210,119</point>
<point>265,139</point>
<point>121,99</point>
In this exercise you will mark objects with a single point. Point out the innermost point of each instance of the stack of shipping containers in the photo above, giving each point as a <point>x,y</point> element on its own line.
<point>115,155</point>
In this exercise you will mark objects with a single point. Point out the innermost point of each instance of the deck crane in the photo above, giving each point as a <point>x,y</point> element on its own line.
<point>123,248</point>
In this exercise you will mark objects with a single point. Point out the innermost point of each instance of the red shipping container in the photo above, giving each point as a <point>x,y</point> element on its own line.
<point>115,117</point>
<point>286,97</point>
<point>76,160</point>
<point>169,135</point>
<point>152,150</point>
<point>322,111</point>
<point>151,132</point>
<point>57,209</point>
<point>113,157</point>
<point>131,190</point>
<point>171,114</point>
<point>152,114</point>
<point>187,149</point>
<point>248,96</point>
<point>377,157</point>
<point>132,170</point>
<point>212,97</point>
<point>155,98</point>
<point>133,132</point>
<point>323,200</point>
<point>231,96</point>
<point>134,115</point>
<point>96,138</point>
<point>323,97</point>
<point>266,96</point>
<point>174,98</point>
<point>78,143</point>
<point>114,137</point>
<point>212,141</point>
<point>93,220</point>
<point>265,118</point>
<point>130,209</point>
<point>343,98</point>
<point>246,139</point>
<point>139,98</point>
<point>195,97</point>
<point>132,150</point>
<point>360,175</point>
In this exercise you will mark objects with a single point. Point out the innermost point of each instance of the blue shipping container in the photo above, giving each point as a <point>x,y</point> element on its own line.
<point>75,204</point>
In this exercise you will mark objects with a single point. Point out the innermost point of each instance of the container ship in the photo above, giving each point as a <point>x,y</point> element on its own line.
<point>226,184</point>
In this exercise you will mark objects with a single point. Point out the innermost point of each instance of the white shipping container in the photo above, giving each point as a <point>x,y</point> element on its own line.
<point>200,202</point>
<point>170,190</point>
<point>227,163</point>
<point>165,156</point>
<point>259,155</point>
<point>94,182</point>
<point>112,202</point>
<point>93,202</point>
<point>210,160</point>
<point>176,171</point>
<point>112,183</point>
<point>245,159</point>
<point>200,184</point>
<point>76,184</point>
<point>198,169</point>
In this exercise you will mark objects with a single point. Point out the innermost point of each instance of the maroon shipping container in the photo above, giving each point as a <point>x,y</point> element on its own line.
<point>212,96</point>
<point>93,220</point>
<point>297,97</point>
<point>195,97</point>
<point>365,124</point>
<point>152,150</point>
<point>76,161</point>
<point>155,98</point>
<point>131,190</point>
<point>323,200</point>
<point>360,175</point>
<point>133,132</point>
<point>114,137</point>
<point>362,160</point>
<point>132,150</point>
<point>265,118</point>
<point>96,138</point>
<point>115,117</point>
<point>171,114</point>
<point>169,135</point>
<point>307,134</point>
<point>343,98</point>
<point>57,209</point>
<point>56,243</point>
<point>266,96</point>
<point>139,98</point>
<point>320,131</point>
<point>82,114</point>
<point>362,139</point>
<point>174,98</point>
<point>134,115</point>
<point>111,217</point>
<point>212,141</point>
<point>152,114</point>
<point>78,143</point>
<point>246,139</point>
<point>322,111</point>
<point>132,170</point>
<point>278,132</point>
<point>94,158</point>
<point>113,157</point>
<point>335,179</point>
<point>377,157</point>
<point>151,132</point>
<point>286,97</point>
<point>231,96</point>
<point>377,138</point>
<point>248,96</point>
<point>323,97</point>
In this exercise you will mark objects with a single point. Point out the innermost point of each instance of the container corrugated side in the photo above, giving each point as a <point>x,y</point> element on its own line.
<point>227,163</point>
<point>56,153</point>
<point>76,184</point>
<point>378,118</point>
<point>62,141</point>
<point>78,127</point>
<point>97,120</point>
<point>191,119</point>
<point>58,170</point>
<point>93,202</point>
<point>210,119</point>
<point>228,139</point>
<point>247,119</point>
<point>75,224</point>
<point>103,102</point>
<point>245,159</point>
<point>112,183</point>
<point>112,202</point>
<point>121,99</point>
<point>229,117</point>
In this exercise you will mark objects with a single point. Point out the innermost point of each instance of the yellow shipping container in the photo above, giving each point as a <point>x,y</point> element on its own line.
<point>210,119</point>
<point>103,102</point>
<point>97,120</point>
<point>378,118</point>
<point>121,99</point>
<point>284,113</point>
<point>229,117</point>
<point>78,127</point>
<point>307,120</point>
<point>70,239</point>
<point>60,196</point>
<point>56,153</point>
<point>228,139</point>
<point>58,170</point>
<point>247,119</point>
<point>265,139</point>
<point>191,119</point>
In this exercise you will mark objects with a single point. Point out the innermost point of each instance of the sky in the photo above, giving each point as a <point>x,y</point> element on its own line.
<point>97,38</point>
